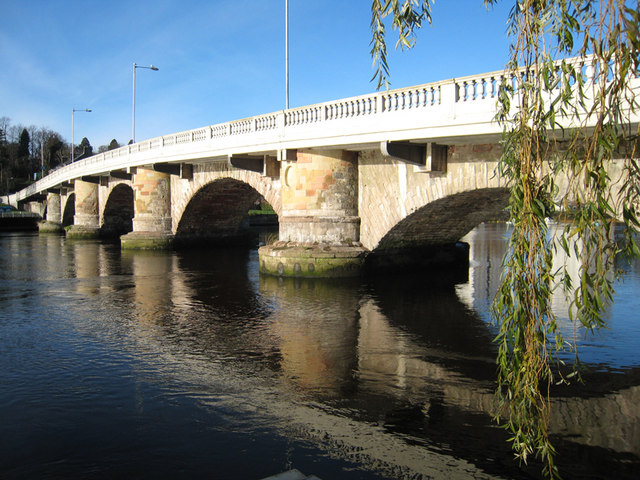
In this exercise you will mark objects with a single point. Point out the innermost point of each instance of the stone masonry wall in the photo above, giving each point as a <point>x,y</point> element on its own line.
<point>86,206</point>
<point>319,198</point>
<point>105,191</point>
<point>152,201</point>
<point>184,190</point>
<point>54,209</point>
<point>390,190</point>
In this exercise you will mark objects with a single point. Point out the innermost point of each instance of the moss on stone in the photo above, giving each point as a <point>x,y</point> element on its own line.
<point>146,241</point>
<point>78,232</point>
<point>322,261</point>
<point>47,227</point>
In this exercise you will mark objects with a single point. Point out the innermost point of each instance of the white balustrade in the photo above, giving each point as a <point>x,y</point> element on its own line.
<point>478,93</point>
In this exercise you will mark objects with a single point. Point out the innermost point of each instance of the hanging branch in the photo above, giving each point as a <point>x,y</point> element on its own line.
<point>566,105</point>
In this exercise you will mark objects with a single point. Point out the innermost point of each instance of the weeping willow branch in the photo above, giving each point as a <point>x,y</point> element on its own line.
<point>590,102</point>
<point>567,106</point>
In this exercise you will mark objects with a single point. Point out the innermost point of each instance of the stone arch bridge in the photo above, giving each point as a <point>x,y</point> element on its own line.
<point>390,177</point>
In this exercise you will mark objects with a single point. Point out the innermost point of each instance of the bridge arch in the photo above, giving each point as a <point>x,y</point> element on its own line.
<point>217,214</point>
<point>428,238</point>
<point>182,191</point>
<point>117,211</point>
<point>447,220</point>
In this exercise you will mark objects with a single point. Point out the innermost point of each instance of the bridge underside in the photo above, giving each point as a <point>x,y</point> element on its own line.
<point>69,211</point>
<point>428,238</point>
<point>217,215</point>
<point>118,212</point>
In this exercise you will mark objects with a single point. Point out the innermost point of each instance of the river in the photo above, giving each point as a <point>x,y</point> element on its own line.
<point>148,365</point>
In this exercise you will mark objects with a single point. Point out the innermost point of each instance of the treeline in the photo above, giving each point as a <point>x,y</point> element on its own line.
<point>29,153</point>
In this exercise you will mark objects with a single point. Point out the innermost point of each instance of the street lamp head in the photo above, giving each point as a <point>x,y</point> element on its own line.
<point>154,68</point>
<point>87,110</point>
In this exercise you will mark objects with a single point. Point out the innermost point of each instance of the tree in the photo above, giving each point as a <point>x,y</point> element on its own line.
<point>53,151</point>
<point>551,86</point>
<point>113,144</point>
<point>23,158</point>
<point>23,144</point>
<point>84,149</point>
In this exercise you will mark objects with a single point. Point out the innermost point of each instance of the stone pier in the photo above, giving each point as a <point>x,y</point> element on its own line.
<point>85,220</point>
<point>152,225</point>
<point>53,218</point>
<point>319,223</point>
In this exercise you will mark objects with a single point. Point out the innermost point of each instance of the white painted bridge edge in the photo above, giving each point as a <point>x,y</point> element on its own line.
<point>449,111</point>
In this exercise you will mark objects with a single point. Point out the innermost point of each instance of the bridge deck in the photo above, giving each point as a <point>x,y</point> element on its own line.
<point>454,111</point>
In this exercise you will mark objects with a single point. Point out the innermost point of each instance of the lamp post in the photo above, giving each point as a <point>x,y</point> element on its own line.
<point>133,120</point>
<point>286,52</point>
<point>73,111</point>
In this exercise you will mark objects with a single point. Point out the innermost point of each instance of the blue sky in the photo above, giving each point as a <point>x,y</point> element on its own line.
<point>218,60</point>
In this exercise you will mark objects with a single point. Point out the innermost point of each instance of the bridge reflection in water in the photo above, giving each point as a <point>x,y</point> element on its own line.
<point>392,377</point>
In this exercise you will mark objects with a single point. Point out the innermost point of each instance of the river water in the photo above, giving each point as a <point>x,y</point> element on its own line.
<point>191,365</point>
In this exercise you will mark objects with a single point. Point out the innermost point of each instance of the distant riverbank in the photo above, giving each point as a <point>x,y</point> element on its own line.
<point>17,221</point>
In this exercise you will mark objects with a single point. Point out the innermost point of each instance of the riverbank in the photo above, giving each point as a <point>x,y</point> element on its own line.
<point>17,221</point>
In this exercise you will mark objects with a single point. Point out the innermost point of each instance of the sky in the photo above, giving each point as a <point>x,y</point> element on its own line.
<point>218,60</point>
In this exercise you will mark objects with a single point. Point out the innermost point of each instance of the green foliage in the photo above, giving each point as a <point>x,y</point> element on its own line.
<point>571,66</point>
<point>23,144</point>
<point>84,149</point>
<point>407,17</point>
<point>264,208</point>
<point>593,87</point>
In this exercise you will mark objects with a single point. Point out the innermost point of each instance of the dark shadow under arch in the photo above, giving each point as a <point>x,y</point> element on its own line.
<point>117,218</point>
<point>217,215</point>
<point>69,210</point>
<point>429,237</point>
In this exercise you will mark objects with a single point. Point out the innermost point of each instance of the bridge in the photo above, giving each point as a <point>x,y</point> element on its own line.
<point>389,177</point>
